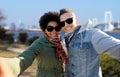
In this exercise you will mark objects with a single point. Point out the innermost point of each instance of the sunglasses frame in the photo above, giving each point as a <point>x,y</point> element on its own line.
<point>68,21</point>
<point>50,28</point>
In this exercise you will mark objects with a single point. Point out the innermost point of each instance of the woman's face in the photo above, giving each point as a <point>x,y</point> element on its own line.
<point>52,30</point>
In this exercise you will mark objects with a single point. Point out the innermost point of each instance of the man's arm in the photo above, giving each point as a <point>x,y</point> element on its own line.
<point>103,43</point>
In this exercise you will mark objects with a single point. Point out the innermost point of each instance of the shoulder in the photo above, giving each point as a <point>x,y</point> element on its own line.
<point>42,42</point>
<point>39,42</point>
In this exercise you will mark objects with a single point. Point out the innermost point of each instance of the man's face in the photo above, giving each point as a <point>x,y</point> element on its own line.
<point>69,22</point>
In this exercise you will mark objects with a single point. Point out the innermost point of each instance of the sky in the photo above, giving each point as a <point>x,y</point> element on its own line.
<point>30,11</point>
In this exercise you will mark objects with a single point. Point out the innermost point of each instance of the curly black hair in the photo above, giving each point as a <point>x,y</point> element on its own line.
<point>47,17</point>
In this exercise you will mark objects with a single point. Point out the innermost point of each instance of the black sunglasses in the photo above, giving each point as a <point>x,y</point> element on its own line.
<point>68,21</point>
<point>51,28</point>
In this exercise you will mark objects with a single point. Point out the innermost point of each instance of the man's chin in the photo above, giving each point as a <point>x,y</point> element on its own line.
<point>68,32</point>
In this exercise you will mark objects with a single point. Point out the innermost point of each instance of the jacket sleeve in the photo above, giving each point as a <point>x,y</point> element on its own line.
<point>20,63</point>
<point>103,43</point>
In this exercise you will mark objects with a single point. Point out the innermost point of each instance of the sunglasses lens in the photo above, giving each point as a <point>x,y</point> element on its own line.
<point>57,28</point>
<point>69,21</point>
<point>62,24</point>
<point>49,28</point>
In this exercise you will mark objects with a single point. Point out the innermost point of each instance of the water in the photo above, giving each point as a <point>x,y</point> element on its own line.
<point>29,34</point>
<point>39,34</point>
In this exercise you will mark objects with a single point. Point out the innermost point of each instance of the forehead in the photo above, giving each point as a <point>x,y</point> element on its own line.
<point>52,23</point>
<point>66,15</point>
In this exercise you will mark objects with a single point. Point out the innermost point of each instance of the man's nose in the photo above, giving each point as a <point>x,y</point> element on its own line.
<point>66,24</point>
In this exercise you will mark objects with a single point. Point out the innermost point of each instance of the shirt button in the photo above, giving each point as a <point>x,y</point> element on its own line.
<point>72,64</point>
<point>73,74</point>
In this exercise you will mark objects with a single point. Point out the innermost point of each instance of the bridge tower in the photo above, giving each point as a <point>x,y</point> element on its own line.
<point>108,17</point>
<point>108,21</point>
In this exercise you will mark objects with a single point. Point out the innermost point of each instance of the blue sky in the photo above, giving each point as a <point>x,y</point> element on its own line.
<point>29,11</point>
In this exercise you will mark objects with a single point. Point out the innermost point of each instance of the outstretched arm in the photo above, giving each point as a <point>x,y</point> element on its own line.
<point>4,70</point>
<point>103,43</point>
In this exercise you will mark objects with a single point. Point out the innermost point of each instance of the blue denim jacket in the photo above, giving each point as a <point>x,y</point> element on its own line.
<point>84,49</point>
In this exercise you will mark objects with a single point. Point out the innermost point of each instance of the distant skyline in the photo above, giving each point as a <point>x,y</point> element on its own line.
<point>29,11</point>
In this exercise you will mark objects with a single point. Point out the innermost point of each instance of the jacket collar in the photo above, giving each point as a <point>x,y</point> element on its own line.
<point>82,28</point>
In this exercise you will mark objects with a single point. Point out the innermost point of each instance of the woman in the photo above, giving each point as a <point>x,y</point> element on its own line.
<point>47,50</point>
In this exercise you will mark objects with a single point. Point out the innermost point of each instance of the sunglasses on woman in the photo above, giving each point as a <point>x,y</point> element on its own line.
<point>51,28</point>
<point>68,21</point>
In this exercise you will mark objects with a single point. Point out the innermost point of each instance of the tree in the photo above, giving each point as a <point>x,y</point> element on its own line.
<point>2,33</point>
<point>22,37</point>
<point>110,66</point>
<point>31,40</point>
<point>10,38</point>
<point>2,17</point>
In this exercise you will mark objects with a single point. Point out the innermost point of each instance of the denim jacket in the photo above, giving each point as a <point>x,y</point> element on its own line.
<point>85,47</point>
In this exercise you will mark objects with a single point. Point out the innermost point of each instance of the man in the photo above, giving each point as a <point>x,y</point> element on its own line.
<point>85,46</point>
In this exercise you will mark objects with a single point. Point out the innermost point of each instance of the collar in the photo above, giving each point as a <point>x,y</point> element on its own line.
<point>82,28</point>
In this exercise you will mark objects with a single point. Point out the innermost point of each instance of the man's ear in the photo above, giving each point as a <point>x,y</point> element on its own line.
<point>76,21</point>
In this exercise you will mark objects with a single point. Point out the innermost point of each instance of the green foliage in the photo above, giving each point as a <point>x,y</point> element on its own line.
<point>2,16</point>
<point>2,33</point>
<point>31,40</point>
<point>110,66</point>
<point>10,38</point>
<point>22,37</point>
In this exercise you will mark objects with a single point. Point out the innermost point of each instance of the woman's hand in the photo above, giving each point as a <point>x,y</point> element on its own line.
<point>4,70</point>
